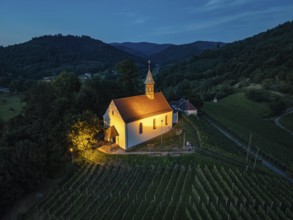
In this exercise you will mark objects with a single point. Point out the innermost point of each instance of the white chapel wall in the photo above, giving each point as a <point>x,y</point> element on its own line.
<point>133,136</point>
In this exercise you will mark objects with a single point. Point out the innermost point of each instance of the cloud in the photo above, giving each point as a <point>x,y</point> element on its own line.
<point>237,19</point>
<point>219,4</point>
<point>250,16</point>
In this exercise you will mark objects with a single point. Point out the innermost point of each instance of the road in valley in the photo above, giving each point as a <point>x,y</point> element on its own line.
<point>277,120</point>
<point>241,144</point>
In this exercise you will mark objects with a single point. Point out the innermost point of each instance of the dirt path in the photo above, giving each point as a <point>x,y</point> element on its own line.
<point>241,144</point>
<point>277,120</point>
<point>152,153</point>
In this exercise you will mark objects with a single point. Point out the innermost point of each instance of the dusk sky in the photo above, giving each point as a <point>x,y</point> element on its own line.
<point>161,21</point>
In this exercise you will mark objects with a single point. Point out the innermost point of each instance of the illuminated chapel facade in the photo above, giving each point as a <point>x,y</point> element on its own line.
<point>136,119</point>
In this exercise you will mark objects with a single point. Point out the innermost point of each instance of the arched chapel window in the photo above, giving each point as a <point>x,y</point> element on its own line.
<point>140,128</point>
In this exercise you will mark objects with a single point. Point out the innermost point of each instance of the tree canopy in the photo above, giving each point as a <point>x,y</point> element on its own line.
<point>84,130</point>
<point>128,77</point>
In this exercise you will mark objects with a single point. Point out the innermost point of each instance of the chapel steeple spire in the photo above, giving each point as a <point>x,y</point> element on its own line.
<point>149,84</point>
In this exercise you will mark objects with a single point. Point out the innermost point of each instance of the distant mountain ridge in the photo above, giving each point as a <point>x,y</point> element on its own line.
<point>166,53</point>
<point>142,49</point>
<point>176,53</point>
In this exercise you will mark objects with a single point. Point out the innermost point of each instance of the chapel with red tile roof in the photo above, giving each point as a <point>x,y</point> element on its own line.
<point>136,119</point>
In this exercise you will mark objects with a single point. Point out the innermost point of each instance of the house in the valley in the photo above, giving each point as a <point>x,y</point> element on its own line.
<point>85,76</point>
<point>136,119</point>
<point>4,90</point>
<point>185,106</point>
<point>215,100</point>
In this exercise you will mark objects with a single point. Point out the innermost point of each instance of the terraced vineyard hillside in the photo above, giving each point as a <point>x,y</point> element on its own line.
<point>172,192</point>
<point>243,117</point>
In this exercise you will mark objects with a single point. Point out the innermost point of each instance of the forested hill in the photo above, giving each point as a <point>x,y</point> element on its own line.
<point>48,55</point>
<point>265,59</point>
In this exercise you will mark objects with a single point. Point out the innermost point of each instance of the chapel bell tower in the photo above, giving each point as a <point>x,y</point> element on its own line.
<point>149,84</point>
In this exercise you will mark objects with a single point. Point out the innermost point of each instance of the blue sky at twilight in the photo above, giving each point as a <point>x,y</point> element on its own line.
<point>161,21</point>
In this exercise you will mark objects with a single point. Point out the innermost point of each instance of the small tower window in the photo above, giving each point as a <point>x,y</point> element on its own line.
<point>112,112</point>
<point>154,123</point>
<point>166,120</point>
<point>140,130</point>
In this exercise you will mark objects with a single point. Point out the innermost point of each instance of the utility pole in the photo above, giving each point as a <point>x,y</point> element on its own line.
<point>161,134</point>
<point>71,151</point>
<point>183,139</point>
<point>250,137</point>
<point>255,158</point>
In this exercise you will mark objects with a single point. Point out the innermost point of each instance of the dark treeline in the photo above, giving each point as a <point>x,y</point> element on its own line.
<point>35,144</point>
<point>265,59</point>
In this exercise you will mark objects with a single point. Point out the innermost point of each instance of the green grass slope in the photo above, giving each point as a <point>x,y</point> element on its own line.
<point>239,101</point>
<point>10,106</point>
<point>242,117</point>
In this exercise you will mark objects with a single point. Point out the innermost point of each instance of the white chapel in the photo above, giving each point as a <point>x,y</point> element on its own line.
<point>136,119</point>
